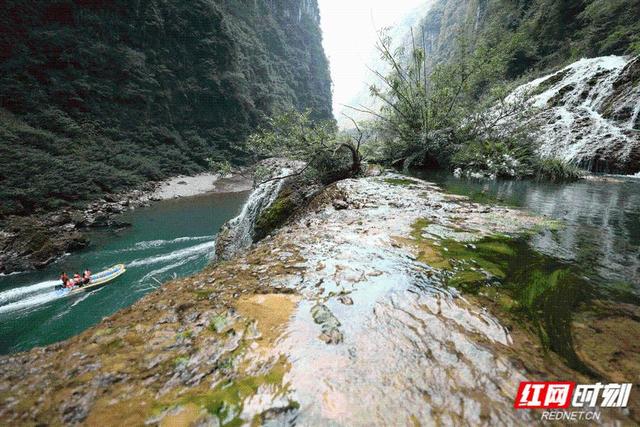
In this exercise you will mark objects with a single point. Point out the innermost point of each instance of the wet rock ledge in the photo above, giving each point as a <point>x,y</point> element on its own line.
<point>340,317</point>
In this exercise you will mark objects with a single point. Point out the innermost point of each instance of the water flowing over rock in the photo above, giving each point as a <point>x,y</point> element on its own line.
<point>590,113</point>
<point>238,233</point>
<point>340,317</point>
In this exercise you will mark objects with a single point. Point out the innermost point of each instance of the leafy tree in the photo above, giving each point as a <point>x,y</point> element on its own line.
<point>221,167</point>
<point>429,114</point>
<point>294,135</point>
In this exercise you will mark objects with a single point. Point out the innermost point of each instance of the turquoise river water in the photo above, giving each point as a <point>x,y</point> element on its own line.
<point>172,238</point>
<point>600,220</point>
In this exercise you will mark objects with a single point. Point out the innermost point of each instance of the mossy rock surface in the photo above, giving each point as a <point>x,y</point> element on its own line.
<point>274,216</point>
<point>539,292</point>
<point>295,194</point>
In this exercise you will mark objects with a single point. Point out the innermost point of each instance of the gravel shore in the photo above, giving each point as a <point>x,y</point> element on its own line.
<point>187,186</point>
<point>33,242</point>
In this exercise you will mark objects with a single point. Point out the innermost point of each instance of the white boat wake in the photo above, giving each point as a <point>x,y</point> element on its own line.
<point>169,267</point>
<point>20,293</point>
<point>24,297</point>
<point>150,244</point>
<point>37,299</point>
<point>157,243</point>
<point>180,253</point>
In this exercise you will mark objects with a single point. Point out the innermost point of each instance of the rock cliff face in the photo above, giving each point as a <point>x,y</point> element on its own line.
<point>542,33</point>
<point>270,205</point>
<point>590,114</point>
<point>97,97</point>
<point>238,233</point>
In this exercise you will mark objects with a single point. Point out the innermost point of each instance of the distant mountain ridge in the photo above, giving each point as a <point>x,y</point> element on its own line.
<point>98,96</point>
<point>549,33</point>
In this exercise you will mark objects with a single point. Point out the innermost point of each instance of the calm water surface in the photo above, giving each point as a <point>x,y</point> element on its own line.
<point>600,220</point>
<point>170,238</point>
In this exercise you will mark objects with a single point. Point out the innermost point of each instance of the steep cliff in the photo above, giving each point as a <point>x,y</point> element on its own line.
<point>99,96</point>
<point>541,34</point>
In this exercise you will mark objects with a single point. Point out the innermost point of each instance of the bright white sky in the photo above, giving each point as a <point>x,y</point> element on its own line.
<point>349,36</point>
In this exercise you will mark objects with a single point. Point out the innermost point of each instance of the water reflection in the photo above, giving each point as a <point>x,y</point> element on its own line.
<point>601,218</point>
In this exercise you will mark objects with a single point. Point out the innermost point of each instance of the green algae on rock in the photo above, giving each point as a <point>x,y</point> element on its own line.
<point>539,290</point>
<point>275,215</point>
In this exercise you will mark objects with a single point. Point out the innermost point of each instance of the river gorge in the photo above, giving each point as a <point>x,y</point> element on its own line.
<point>158,245</point>
<point>319,213</point>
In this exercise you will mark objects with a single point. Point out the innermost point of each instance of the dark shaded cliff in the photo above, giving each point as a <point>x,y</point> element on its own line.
<point>97,96</point>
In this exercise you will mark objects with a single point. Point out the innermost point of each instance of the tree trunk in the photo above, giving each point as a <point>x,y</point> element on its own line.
<point>356,159</point>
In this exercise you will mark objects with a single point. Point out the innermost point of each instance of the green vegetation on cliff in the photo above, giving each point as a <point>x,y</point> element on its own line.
<point>542,34</point>
<point>96,97</point>
<point>444,97</point>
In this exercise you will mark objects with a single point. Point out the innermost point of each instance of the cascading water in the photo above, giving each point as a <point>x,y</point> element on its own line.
<point>589,113</point>
<point>238,232</point>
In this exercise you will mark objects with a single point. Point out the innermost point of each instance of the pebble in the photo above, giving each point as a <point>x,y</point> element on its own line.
<point>346,300</point>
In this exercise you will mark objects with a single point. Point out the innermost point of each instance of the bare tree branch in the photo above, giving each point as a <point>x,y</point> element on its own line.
<point>360,133</point>
<point>382,46</point>
<point>286,176</point>
<point>366,110</point>
<point>396,90</point>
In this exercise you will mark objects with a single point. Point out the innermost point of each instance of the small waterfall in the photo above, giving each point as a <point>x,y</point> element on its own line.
<point>237,234</point>
<point>589,113</point>
<point>634,123</point>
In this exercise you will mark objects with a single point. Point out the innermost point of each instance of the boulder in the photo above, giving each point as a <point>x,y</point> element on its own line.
<point>339,204</point>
